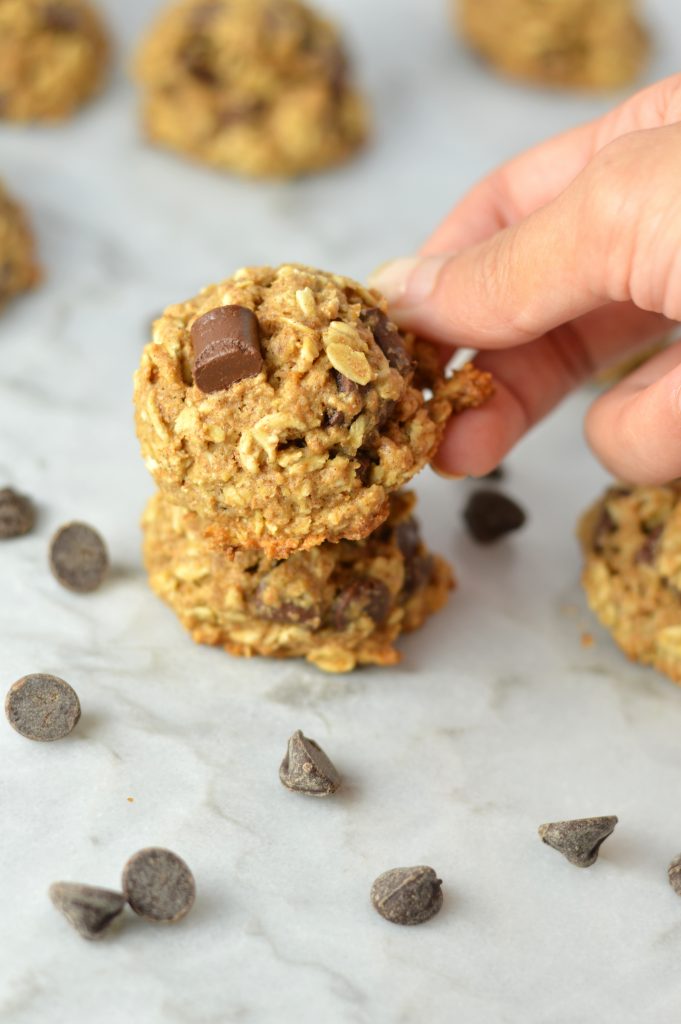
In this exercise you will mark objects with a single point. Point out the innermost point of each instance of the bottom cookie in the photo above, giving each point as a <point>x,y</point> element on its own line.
<point>338,605</point>
<point>631,540</point>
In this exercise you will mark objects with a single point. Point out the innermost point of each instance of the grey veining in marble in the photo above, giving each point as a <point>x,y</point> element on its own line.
<point>497,719</point>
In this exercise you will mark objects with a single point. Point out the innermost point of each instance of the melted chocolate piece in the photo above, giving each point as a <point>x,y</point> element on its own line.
<point>365,596</point>
<point>388,339</point>
<point>226,343</point>
<point>648,550</point>
<point>285,611</point>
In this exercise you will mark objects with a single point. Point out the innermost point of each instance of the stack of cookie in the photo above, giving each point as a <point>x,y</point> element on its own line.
<point>280,412</point>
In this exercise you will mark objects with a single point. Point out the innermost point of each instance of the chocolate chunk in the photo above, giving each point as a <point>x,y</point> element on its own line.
<point>365,467</point>
<point>276,604</point>
<point>158,885</point>
<point>243,111</point>
<point>78,558</point>
<point>578,840</point>
<point>17,514</point>
<point>306,768</point>
<point>88,908</point>
<point>42,707</point>
<point>61,18</point>
<point>407,895</point>
<point>417,574</point>
<point>226,345</point>
<point>195,56</point>
<point>490,515</point>
<point>388,339</point>
<point>648,550</point>
<point>364,596</point>
<point>498,473</point>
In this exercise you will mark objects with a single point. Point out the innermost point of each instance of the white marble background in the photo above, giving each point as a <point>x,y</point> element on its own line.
<point>498,719</point>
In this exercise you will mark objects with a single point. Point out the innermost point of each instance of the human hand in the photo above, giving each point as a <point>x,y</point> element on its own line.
<point>563,259</point>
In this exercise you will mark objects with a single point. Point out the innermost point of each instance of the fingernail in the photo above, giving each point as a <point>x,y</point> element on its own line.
<point>445,474</point>
<point>408,282</point>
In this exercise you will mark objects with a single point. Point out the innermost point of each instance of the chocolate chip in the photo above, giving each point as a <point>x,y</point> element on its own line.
<point>78,558</point>
<point>89,909</point>
<point>158,885</point>
<point>498,473</point>
<point>388,339</point>
<point>275,602</point>
<point>408,537</point>
<point>61,18</point>
<point>195,56</point>
<point>42,707</point>
<point>578,840</point>
<point>333,418</point>
<point>226,343</point>
<point>490,515</point>
<point>417,574</point>
<point>674,874</point>
<point>344,384</point>
<point>648,550</point>
<point>605,525</point>
<point>365,467</point>
<point>243,111</point>
<point>363,596</point>
<point>407,895</point>
<point>307,769</point>
<point>17,514</point>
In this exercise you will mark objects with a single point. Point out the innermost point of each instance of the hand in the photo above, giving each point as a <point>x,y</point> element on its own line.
<point>560,261</point>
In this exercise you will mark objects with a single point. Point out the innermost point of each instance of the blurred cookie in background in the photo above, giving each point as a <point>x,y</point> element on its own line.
<point>53,58</point>
<point>18,262</point>
<point>260,87</point>
<point>593,44</point>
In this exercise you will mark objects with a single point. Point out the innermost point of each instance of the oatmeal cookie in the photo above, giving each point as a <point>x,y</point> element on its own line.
<point>631,540</point>
<point>324,417</point>
<point>18,266</point>
<point>596,44</point>
<point>52,58</point>
<point>338,605</point>
<point>260,87</point>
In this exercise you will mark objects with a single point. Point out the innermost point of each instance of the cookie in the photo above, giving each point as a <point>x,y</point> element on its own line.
<point>631,540</point>
<point>53,56</point>
<point>18,266</point>
<point>308,447</point>
<point>338,605</point>
<point>259,87</point>
<point>597,44</point>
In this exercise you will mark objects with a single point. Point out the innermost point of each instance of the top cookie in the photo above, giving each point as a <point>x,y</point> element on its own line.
<point>52,57</point>
<point>327,419</point>
<point>260,87</point>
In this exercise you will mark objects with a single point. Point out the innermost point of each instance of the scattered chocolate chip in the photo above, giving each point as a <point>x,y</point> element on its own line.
<point>78,558</point>
<point>275,602</point>
<point>17,514</point>
<point>388,339</point>
<point>158,885</point>
<point>307,769</point>
<point>226,343</point>
<point>89,909</point>
<point>648,550</point>
<point>61,18</point>
<point>674,874</point>
<point>578,840</point>
<point>363,596</point>
<point>42,707</point>
<point>407,895</point>
<point>490,515</point>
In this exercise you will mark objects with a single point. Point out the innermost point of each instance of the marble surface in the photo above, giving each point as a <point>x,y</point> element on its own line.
<point>497,719</point>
